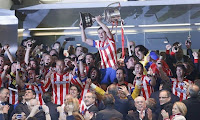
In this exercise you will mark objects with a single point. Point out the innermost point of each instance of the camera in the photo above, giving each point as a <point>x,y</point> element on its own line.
<point>188,41</point>
<point>70,39</point>
<point>175,48</point>
<point>138,78</point>
<point>39,76</point>
<point>30,45</point>
<point>119,88</point>
<point>28,41</point>
<point>148,75</point>
<point>40,108</point>
<point>74,59</point>
<point>19,116</point>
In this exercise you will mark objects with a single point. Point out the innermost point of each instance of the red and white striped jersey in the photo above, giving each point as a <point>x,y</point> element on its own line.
<point>60,85</point>
<point>108,53</point>
<point>38,90</point>
<point>84,90</point>
<point>165,68</point>
<point>82,106</point>
<point>179,88</point>
<point>13,93</point>
<point>146,89</point>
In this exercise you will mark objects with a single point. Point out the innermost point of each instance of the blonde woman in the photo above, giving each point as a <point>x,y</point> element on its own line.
<point>72,109</point>
<point>179,110</point>
<point>60,109</point>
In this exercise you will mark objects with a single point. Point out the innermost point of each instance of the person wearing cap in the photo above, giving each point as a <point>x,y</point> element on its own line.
<point>152,58</point>
<point>129,63</point>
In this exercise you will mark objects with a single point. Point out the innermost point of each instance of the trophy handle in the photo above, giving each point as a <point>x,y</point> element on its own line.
<point>114,3</point>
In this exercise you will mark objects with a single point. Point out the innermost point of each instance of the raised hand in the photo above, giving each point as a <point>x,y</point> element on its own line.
<point>81,24</point>
<point>98,18</point>
<point>124,90</point>
<point>6,47</point>
<point>165,114</point>
<point>18,67</point>
<point>29,44</point>
<point>6,108</point>
<point>141,115</point>
<point>6,67</point>
<point>88,115</point>
<point>168,47</point>
<point>149,114</point>
<point>45,108</point>
<point>175,49</point>
<point>195,55</point>
<point>89,81</point>
<point>188,44</point>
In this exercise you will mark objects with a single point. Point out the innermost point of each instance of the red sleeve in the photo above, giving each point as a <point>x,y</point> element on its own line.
<point>167,51</point>
<point>196,60</point>
<point>172,53</point>
<point>112,39</point>
<point>47,85</point>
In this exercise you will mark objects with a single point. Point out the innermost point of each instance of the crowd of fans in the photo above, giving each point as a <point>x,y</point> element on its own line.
<point>42,83</point>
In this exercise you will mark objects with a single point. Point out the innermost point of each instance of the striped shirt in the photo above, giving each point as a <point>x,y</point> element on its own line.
<point>13,93</point>
<point>60,85</point>
<point>165,68</point>
<point>107,51</point>
<point>179,88</point>
<point>38,90</point>
<point>146,89</point>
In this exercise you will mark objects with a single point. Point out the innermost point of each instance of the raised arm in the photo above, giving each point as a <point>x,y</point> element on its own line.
<point>28,50</point>
<point>19,81</point>
<point>105,28</point>
<point>83,36</point>
<point>4,73</point>
<point>163,75</point>
<point>6,48</point>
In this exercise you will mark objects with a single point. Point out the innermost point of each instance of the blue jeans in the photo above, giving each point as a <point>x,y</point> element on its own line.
<point>108,75</point>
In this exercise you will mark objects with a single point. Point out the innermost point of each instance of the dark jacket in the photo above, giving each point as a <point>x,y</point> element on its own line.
<point>21,108</point>
<point>2,117</point>
<point>135,116</point>
<point>108,113</point>
<point>129,75</point>
<point>53,111</point>
<point>11,108</point>
<point>40,116</point>
<point>193,105</point>
<point>93,109</point>
<point>155,95</point>
<point>167,107</point>
<point>124,105</point>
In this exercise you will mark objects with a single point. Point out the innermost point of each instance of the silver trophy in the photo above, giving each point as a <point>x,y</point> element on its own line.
<point>111,15</point>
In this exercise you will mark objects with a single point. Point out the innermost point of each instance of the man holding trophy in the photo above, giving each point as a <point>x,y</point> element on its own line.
<point>107,49</point>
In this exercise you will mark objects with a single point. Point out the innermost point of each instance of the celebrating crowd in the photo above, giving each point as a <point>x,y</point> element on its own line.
<point>41,83</point>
